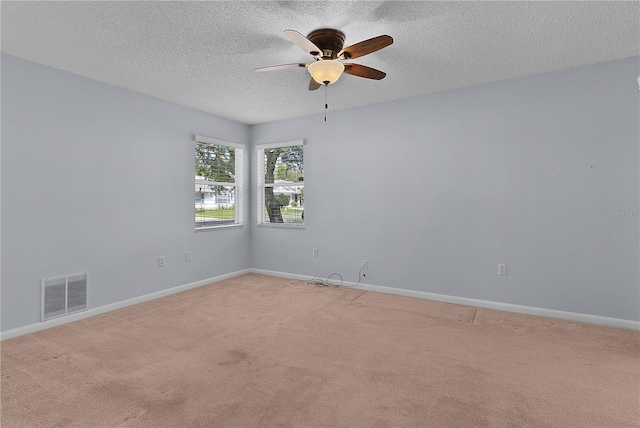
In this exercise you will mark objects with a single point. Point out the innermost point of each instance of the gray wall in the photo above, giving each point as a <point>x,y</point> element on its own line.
<point>99,178</point>
<point>435,191</point>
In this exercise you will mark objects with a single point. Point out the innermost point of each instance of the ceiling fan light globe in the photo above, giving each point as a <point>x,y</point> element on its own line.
<point>324,71</point>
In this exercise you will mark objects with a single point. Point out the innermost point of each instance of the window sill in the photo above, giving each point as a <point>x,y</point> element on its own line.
<point>225,227</point>
<point>280,226</point>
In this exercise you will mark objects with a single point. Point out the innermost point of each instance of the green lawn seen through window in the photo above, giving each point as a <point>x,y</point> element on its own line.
<point>226,213</point>
<point>290,214</point>
<point>219,213</point>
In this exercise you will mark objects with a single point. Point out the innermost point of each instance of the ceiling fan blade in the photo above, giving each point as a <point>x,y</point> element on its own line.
<point>365,47</point>
<point>282,66</point>
<point>313,85</point>
<point>364,71</point>
<point>304,43</point>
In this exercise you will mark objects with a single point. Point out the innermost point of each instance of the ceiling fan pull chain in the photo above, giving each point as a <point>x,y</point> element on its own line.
<point>326,106</point>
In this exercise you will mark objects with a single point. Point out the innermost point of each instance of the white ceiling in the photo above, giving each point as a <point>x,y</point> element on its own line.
<point>202,54</point>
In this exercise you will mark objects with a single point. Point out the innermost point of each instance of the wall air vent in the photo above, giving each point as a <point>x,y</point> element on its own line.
<point>64,295</point>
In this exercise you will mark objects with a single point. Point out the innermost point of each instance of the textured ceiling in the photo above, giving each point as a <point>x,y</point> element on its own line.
<point>202,54</point>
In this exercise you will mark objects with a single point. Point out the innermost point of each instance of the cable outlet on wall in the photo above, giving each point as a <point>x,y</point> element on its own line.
<point>315,252</point>
<point>161,261</point>
<point>364,265</point>
<point>187,256</point>
<point>502,269</point>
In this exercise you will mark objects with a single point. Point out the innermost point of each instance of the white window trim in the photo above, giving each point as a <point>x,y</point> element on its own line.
<point>280,144</point>
<point>239,182</point>
<point>260,182</point>
<point>209,140</point>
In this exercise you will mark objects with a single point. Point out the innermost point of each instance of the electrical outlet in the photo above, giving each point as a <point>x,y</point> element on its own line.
<point>315,252</point>
<point>502,269</point>
<point>364,265</point>
<point>187,256</point>
<point>161,261</point>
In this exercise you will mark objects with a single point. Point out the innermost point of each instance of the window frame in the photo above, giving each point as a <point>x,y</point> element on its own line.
<point>238,183</point>
<point>260,184</point>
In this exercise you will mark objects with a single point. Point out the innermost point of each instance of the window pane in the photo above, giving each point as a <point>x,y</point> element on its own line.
<point>216,162</point>
<point>284,164</point>
<point>284,203</point>
<point>214,205</point>
<point>281,177</point>
<point>218,181</point>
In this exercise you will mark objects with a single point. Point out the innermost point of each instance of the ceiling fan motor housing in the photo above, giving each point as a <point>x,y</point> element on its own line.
<point>329,40</point>
<point>326,45</point>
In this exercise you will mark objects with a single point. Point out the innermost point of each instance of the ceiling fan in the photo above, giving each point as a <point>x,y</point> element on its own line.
<point>325,45</point>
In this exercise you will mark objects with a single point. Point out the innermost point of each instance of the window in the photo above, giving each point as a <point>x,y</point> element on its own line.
<point>281,184</point>
<point>218,179</point>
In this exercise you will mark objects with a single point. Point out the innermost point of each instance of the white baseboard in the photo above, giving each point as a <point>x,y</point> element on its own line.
<point>32,328</point>
<point>498,306</point>
<point>507,307</point>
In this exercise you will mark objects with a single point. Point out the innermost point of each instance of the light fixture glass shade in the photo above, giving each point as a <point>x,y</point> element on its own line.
<point>328,70</point>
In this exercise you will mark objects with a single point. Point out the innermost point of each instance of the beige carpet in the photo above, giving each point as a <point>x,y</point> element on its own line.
<point>252,351</point>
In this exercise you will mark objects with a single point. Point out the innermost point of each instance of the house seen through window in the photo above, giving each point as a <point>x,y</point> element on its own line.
<point>218,183</point>
<point>281,184</point>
